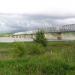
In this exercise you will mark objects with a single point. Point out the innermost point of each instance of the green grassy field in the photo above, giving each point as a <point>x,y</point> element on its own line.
<point>58,58</point>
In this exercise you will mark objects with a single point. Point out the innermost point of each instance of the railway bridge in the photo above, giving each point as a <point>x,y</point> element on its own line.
<point>54,29</point>
<point>61,29</point>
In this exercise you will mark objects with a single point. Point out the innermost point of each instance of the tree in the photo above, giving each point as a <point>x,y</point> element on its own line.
<point>40,38</point>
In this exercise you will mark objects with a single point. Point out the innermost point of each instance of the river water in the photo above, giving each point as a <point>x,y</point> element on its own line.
<point>11,39</point>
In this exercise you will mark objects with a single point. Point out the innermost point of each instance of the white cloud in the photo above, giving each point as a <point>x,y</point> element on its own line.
<point>57,11</point>
<point>48,7</point>
<point>12,23</point>
<point>65,21</point>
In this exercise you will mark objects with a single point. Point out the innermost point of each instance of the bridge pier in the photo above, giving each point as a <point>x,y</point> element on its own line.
<point>59,36</point>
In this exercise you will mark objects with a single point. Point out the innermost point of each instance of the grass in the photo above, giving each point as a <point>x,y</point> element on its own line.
<point>29,58</point>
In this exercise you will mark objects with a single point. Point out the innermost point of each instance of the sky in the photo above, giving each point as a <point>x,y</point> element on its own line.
<point>20,15</point>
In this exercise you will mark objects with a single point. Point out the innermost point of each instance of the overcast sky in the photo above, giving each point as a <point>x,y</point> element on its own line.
<point>28,13</point>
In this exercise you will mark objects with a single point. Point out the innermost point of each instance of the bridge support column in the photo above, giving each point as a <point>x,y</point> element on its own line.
<point>59,36</point>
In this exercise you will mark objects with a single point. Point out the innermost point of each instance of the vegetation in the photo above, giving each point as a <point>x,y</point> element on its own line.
<point>40,38</point>
<point>28,58</point>
<point>5,34</point>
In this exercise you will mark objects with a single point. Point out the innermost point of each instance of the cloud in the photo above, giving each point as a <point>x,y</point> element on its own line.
<point>22,22</point>
<point>65,21</point>
<point>23,15</point>
<point>46,7</point>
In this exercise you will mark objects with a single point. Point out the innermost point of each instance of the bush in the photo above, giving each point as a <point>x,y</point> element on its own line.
<point>22,49</point>
<point>36,49</point>
<point>40,38</point>
<point>19,49</point>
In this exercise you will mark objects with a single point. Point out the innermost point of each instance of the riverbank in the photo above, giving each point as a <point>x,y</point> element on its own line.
<point>28,58</point>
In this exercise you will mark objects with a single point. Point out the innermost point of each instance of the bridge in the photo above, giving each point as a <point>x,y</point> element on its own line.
<point>56,29</point>
<point>60,29</point>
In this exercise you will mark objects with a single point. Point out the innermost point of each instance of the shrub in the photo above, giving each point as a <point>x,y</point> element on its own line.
<point>19,49</point>
<point>40,38</point>
<point>36,49</point>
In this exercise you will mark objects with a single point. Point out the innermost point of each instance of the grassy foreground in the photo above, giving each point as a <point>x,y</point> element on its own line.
<point>58,58</point>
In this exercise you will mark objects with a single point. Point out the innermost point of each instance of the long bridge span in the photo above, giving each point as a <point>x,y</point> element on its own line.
<point>57,29</point>
<point>60,29</point>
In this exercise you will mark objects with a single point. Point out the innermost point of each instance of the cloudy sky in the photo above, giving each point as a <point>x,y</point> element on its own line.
<point>22,15</point>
